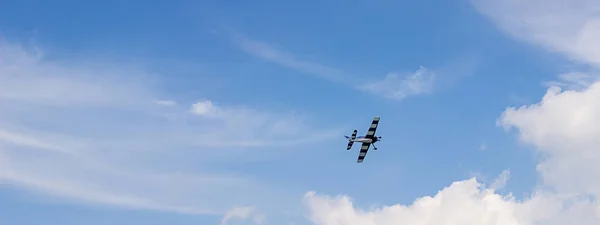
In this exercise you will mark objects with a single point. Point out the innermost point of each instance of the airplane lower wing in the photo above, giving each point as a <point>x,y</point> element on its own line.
<point>364,148</point>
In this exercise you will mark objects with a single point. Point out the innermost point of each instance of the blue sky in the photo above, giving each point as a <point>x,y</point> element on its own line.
<point>177,113</point>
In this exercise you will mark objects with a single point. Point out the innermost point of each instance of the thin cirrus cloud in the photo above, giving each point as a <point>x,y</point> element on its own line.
<point>94,132</point>
<point>395,86</point>
<point>563,127</point>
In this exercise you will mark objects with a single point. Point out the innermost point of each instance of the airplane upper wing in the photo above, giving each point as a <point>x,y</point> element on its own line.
<point>373,127</point>
<point>365,146</point>
<point>363,152</point>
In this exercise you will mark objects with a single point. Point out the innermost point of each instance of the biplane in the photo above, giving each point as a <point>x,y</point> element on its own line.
<point>366,140</point>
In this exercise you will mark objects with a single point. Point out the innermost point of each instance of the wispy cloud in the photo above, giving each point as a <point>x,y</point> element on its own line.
<point>27,78</point>
<point>483,147</point>
<point>94,132</point>
<point>243,213</point>
<point>573,28</point>
<point>394,86</point>
<point>280,56</point>
<point>253,127</point>
<point>397,86</point>
<point>166,102</point>
<point>500,181</point>
<point>574,80</point>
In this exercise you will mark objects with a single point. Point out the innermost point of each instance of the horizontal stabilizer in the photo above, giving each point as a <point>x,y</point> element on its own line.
<point>351,139</point>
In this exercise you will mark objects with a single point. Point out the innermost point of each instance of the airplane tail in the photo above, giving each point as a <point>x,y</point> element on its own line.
<point>351,139</point>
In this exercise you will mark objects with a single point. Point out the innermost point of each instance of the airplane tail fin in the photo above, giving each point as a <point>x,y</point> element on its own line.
<point>351,139</point>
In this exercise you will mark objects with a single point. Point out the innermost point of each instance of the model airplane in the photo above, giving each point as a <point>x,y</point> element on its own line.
<point>367,140</point>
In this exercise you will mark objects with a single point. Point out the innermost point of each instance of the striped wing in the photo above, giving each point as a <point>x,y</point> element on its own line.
<point>350,143</point>
<point>364,148</point>
<point>373,127</point>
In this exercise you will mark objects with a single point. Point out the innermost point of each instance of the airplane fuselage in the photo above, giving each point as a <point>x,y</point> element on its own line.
<point>366,140</point>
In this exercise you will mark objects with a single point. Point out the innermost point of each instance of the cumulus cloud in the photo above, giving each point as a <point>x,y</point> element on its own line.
<point>92,131</point>
<point>465,202</point>
<point>564,127</point>
<point>206,108</point>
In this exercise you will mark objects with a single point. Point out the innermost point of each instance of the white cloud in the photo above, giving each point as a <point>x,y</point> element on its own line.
<point>573,81</point>
<point>205,108</point>
<point>82,165</point>
<point>569,27</point>
<point>253,127</point>
<point>463,202</point>
<point>564,127</point>
<point>395,86</point>
<point>243,214</point>
<point>566,26</point>
<point>501,180</point>
<point>26,78</point>
<point>277,55</point>
<point>166,102</point>
<point>93,132</point>
<point>392,86</point>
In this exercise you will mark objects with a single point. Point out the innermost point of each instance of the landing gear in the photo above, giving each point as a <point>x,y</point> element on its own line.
<point>374,148</point>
